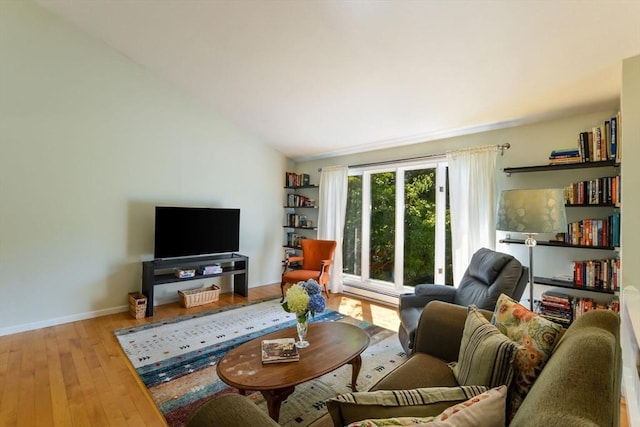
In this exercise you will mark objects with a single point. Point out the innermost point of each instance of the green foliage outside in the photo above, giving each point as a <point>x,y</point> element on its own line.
<point>419,222</point>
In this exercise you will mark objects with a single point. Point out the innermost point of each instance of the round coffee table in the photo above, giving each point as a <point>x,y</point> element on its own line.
<point>333,344</point>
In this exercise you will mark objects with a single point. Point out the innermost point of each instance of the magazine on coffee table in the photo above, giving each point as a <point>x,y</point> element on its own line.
<point>279,350</point>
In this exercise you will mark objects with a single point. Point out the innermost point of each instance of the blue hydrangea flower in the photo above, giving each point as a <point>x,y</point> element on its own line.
<point>311,286</point>
<point>317,304</point>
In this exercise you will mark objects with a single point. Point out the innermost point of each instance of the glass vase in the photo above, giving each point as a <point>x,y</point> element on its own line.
<point>302,326</point>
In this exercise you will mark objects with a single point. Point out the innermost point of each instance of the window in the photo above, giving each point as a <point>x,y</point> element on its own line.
<point>397,227</point>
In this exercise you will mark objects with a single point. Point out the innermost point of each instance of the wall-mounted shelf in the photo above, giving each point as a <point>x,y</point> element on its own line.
<point>568,285</point>
<point>591,205</point>
<point>300,228</point>
<point>301,186</point>
<point>568,166</point>
<point>557,244</point>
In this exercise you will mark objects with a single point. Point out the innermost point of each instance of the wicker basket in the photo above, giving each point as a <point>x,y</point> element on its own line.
<point>194,297</point>
<point>137,305</point>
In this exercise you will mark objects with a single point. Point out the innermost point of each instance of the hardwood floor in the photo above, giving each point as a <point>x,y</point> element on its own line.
<point>76,374</point>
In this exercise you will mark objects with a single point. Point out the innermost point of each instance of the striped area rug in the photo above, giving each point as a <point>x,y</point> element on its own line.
<point>176,359</point>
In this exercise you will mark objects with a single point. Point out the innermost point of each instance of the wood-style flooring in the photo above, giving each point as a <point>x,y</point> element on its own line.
<point>76,374</point>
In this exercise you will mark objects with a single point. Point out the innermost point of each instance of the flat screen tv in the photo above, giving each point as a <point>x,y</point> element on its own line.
<point>187,231</point>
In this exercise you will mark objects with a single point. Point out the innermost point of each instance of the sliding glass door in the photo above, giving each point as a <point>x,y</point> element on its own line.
<point>397,228</point>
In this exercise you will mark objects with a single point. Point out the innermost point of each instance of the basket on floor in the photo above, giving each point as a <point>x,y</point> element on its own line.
<point>137,305</point>
<point>194,297</point>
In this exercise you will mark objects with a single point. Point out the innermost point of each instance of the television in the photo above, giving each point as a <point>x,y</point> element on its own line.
<point>189,231</point>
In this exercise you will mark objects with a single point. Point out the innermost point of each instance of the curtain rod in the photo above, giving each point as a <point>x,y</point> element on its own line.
<point>499,147</point>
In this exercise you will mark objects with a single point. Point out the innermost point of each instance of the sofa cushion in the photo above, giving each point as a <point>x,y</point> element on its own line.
<point>486,355</point>
<point>433,372</point>
<point>537,336</point>
<point>484,410</point>
<point>423,402</point>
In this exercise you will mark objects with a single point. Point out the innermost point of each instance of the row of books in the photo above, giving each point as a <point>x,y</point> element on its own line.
<point>564,309</point>
<point>595,232</point>
<point>298,200</point>
<point>593,192</point>
<point>295,220</point>
<point>292,179</point>
<point>601,143</point>
<point>293,240</point>
<point>598,274</point>
<point>582,305</point>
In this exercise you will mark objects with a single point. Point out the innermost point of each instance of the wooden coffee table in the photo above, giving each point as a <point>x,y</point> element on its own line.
<point>333,344</point>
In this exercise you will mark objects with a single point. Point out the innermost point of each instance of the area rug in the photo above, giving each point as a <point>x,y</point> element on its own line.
<point>176,359</point>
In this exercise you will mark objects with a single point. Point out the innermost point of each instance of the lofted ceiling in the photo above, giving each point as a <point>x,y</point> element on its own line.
<point>327,77</point>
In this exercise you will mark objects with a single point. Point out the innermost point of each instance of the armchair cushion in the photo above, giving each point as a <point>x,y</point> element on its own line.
<point>486,355</point>
<point>487,265</point>
<point>440,292</point>
<point>488,275</point>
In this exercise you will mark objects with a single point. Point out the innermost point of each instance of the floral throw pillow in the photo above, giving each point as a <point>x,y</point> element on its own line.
<point>538,337</point>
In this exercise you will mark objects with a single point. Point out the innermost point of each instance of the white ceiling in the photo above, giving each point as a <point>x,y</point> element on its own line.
<point>323,77</point>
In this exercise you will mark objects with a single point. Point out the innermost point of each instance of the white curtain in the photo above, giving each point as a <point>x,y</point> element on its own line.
<point>472,195</point>
<point>331,215</point>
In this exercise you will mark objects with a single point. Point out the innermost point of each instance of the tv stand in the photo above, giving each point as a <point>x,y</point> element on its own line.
<point>232,264</point>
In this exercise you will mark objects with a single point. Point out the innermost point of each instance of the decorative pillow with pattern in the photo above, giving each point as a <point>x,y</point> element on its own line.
<point>486,356</point>
<point>537,335</point>
<point>484,410</point>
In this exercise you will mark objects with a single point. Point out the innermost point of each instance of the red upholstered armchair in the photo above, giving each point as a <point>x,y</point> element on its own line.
<point>316,258</point>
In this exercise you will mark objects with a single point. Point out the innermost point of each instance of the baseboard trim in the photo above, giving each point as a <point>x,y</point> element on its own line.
<point>370,295</point>
<point>83,316</point>
<point>61,320</point>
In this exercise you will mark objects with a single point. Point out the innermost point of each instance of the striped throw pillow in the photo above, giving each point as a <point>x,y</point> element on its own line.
<point>418,396</point>
<point>486,355</point>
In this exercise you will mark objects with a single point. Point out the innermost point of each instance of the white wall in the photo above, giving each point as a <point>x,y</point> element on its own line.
<point>90,142</point>
<point>530,145</point>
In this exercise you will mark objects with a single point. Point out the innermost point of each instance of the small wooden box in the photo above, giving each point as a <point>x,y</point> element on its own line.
<point>137,305</point>
<point>194,297</point>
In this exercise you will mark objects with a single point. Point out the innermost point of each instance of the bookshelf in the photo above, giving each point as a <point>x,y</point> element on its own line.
<point>301,210</point>
<point>606,169</point>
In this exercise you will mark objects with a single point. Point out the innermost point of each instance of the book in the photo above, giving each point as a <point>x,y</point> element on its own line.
<point>564,160</point>
<point>584,147</point>
<point>564,152</point>
<point>279,350</point>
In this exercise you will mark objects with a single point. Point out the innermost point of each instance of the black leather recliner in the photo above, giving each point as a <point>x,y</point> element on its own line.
<point>489,274</point>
